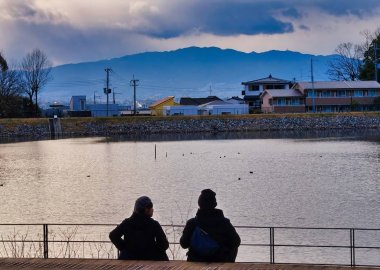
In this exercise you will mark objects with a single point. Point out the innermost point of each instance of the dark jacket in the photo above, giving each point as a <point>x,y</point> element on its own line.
<point>144,239</point>
<point>219,228</point>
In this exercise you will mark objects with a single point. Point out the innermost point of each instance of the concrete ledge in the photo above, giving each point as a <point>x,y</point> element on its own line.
<point>92,264</point>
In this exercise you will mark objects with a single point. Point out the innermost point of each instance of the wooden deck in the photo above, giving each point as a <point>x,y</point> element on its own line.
<point>91,264</point>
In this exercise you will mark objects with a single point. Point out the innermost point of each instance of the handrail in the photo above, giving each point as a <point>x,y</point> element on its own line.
<point>271,243</point>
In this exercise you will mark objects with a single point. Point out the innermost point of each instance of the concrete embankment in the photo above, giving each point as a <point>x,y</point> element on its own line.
<point>39,128</point>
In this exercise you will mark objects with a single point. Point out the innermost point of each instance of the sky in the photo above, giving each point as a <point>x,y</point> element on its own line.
<point>72,31</point>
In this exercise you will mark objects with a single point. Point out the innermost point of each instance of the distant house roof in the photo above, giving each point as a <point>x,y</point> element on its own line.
<point>236,98</point>
<point>214,102</point>
<point>283,93</point>
<point>158,102</point>
<point>339,85</point>
<point>197,101</point>
<point>267,80</point>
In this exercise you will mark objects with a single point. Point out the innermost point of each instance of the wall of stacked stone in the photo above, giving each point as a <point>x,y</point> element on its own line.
<point>197,125</point>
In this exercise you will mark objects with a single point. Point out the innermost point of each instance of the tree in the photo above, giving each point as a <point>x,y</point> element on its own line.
<point>347,63</point>
<point>372,41</point>
<point>3,63</point>
<point>35,68</point>
<point>376,102</point>
<point>11,102</point>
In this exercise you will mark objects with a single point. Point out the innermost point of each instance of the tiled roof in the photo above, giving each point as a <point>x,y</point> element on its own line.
<point>158,102</point>
<point>215,102</point>
<point>340,85</point>
<point>267,80</point>
<point>197,101</point>
<point>235,98</point>
<point>283,93</point>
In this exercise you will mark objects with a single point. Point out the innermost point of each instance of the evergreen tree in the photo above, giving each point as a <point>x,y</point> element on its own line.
<point>367,70</point>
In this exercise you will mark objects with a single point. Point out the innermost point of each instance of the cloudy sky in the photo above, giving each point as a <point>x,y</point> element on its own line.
<point>82,30</point>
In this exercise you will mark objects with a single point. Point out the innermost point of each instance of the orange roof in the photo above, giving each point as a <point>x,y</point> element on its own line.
<point>158,102</point>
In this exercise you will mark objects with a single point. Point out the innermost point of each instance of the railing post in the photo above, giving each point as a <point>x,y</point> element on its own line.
<point>271,244</point>
<point>352,247</point>
<point>46,241</point>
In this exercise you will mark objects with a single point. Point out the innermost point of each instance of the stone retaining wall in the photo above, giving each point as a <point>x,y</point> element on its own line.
<point>196,125</point>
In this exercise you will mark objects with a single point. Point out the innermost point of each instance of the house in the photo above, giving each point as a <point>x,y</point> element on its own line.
<point>222,108</point>
<point>158,106</point>
<point>80,108</point>
<point>215,107</point>
<point>339,96</point>
<point>283,101</point>
<point>180,110</point>
<point>78,103</point>
<point>253,90</point>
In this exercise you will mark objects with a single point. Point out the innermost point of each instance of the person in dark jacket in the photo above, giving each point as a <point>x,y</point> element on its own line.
<point>143,237</point>
<point>212,221</point>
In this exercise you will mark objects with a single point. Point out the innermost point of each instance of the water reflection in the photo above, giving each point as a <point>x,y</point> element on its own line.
<point>357,134</point>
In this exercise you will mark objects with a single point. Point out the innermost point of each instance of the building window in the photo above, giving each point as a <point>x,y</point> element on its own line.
<point>372,93</point>
<point>270,102</point>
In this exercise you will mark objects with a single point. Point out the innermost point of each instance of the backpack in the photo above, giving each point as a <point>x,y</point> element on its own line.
<point>203,244</point>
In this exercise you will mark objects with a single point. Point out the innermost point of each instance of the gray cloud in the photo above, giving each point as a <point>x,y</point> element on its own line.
<point>304,27</point>
<point>222,17</point>
<point>28,25</point>
<point>347,7</point>
<point>236,17</point>
<point>292,13</point>
<point>26,10</point>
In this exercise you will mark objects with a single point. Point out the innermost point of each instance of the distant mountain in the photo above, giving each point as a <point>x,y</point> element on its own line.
<point>192,71</point>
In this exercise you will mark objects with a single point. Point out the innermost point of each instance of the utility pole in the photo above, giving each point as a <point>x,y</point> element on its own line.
<point>312,84</point>
<point>134,82</point>
<point>375,49</point>
<point>107,90</point>
<point>113,94</point>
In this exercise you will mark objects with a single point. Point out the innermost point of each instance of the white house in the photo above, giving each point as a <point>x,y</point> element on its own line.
<point>78,103</point>
<point>223,108</point>
<point>216,107</point>
<point>180,110</point>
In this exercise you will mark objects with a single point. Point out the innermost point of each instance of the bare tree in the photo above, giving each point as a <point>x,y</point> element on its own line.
<point>346,65</point>
<point>10,83</point>
<point>36,70</point>
<point>10,89</point>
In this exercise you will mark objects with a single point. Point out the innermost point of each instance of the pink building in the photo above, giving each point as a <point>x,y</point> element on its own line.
<point>282,101</point>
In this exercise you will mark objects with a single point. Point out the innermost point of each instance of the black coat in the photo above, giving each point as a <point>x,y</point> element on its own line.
<point>144,239</point>
<point>219,228</point>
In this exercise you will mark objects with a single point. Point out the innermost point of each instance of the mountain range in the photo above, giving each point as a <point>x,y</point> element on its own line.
<point>193,71</point>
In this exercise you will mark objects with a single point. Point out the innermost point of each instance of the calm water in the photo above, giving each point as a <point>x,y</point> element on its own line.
<point>313,182</point>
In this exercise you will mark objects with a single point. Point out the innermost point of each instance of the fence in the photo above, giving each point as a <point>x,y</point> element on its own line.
<point>273,244</point>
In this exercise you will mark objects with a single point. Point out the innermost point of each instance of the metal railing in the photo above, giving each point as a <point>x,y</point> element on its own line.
<point>276,236</point>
